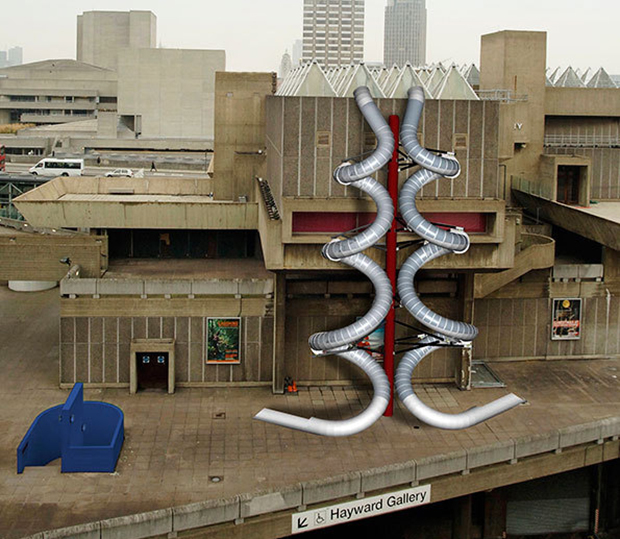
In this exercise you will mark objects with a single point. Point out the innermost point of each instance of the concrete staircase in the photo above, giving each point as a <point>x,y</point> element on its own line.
<point>537,252</point>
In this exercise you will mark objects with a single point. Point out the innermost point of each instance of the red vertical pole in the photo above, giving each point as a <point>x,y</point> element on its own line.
<point>390,266</point>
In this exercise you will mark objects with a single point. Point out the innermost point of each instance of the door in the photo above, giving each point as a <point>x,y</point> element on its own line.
<point>152,370</point>
<point>568,184</point>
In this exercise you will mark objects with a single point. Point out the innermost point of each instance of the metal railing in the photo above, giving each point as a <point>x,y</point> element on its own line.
<point>504,96</point>
<point>582,141</point>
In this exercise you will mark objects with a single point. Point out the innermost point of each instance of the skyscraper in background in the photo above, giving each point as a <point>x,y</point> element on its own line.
<point>15,56</point>
<point>333,32</point>
<point>405,32</point>
<point>297,51</point>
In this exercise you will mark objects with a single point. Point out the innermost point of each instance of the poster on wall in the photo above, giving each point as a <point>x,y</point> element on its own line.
<point>223,340</point>
<point>374,343</point>
<point>566,323</point>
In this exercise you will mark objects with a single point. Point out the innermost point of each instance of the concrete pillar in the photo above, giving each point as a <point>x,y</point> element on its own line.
<point>461,520</point>
<point>279,329</point>
<point>463,367</point>
<point>494,515</point>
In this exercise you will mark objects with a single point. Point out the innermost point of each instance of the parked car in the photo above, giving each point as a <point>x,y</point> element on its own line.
<point>119,173</point>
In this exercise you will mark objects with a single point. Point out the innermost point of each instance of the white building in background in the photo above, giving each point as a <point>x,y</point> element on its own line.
<point>405,33</point>
<point>13,57</point>
<point>102,34</point>
<point>333,32</point>
<point>297,51</point>
<point>168,92</point>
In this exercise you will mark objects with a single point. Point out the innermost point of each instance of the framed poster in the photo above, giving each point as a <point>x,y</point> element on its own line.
<point>223,340</point>
<point>374,343</point>
<point>566,321</point>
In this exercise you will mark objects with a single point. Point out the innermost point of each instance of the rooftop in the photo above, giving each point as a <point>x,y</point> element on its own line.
<point>132,268</point>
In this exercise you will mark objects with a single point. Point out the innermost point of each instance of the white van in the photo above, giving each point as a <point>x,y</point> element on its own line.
<point>51,166</point>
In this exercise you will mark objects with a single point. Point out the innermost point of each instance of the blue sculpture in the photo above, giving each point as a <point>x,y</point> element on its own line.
<point>87,436</point>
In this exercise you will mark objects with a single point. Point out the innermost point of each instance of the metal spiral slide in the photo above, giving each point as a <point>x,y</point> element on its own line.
<point>342,342</point>
<point>439,242</point>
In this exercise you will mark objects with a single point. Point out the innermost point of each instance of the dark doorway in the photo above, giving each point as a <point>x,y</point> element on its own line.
<point>152,370</point>
<point>568,184</point>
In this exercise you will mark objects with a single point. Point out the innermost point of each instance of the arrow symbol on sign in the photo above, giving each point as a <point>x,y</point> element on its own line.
<point>302,523</point>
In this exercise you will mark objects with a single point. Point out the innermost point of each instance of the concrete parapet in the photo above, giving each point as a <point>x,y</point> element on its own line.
<point>78,287</point>
<point>255,287</point>
<point>197,515</point>
<point>91,530</point>
<point>610,428</point>
<point>388,476</point>
<point>536,443</point>
<point>331,488</point>
<point>486,455</point>
<point>269,502</point>
<point>437,465</point>
<point>120,287</point>
<point>215,287</point>
<point>138,526</point>
<point>161,287</point>
<point>580,434</point>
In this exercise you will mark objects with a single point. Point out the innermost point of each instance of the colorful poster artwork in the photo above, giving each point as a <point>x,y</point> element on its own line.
<point>566,323</point>
<point>374,343</point>
<point>223,340</point>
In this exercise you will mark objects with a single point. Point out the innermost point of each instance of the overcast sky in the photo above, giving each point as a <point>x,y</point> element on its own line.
<point>255,33</point>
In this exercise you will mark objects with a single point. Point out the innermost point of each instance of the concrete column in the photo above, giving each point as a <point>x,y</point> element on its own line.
<point>494,515</point>
<point>279,329</point>
<point>463,367</point>
<point>461,521</point>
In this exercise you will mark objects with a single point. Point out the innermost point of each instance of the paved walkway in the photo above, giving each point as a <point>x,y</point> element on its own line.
<point>176,444</point>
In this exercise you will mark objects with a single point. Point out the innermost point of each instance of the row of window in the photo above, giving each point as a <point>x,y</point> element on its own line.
<point>48,98</point>
<point>312,4</point>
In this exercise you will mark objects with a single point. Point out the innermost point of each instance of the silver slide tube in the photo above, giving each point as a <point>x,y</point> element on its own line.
<point>473,416</point>
<point>344,427</point>
<point>439,243</point>
<point>341,342</point>
<point>409,139</point>
<point>385,141</point>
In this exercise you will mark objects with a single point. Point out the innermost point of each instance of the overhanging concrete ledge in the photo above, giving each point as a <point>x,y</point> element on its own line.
<point>582,221</point>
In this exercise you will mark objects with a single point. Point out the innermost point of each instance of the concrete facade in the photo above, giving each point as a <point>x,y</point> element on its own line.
<point>405,33</point>
<point>512,149</point>
<point>240,132</point>
<point>102,34</point>
<point>55,91</point>
<point>169,92</point>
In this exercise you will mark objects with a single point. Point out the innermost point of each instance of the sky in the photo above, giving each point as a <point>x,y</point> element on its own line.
<point>255,33</point>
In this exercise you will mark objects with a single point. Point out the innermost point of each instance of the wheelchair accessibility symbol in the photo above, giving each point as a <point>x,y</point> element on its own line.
<point>319,518</point>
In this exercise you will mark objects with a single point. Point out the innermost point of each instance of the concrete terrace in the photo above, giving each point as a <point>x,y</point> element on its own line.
<point>176,444</point>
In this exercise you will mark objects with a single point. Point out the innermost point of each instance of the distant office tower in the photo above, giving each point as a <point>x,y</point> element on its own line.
<point>15,56</point>
<point>333,31</point>
<point>3,59</point>
<point>405,32</point>
<point>101,34</point>
<point>297,48</point>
